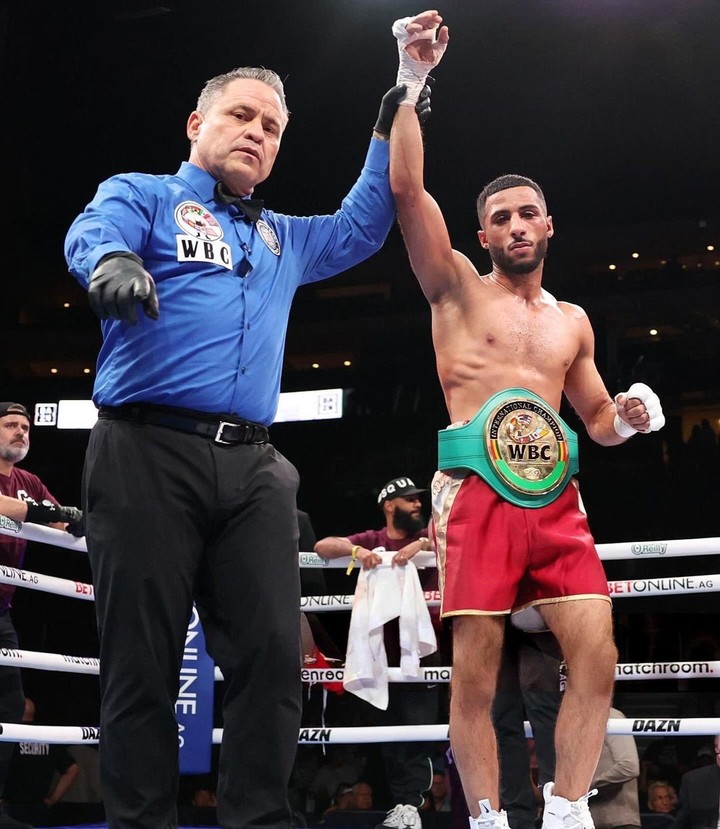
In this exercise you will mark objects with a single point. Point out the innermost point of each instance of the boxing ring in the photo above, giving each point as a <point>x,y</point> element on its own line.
<point>625,588</point>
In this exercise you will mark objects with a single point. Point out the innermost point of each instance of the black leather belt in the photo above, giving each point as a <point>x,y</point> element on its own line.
<point>227,432</point>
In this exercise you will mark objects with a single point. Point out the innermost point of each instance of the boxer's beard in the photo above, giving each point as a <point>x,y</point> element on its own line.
<point>506,264</point>
<point>407,522</point>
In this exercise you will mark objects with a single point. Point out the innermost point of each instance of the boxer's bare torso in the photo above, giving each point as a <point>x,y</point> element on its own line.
<point>488,337</point>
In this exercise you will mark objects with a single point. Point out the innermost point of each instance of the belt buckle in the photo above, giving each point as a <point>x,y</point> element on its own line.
<point>218,435</point>
<point>527,447</point>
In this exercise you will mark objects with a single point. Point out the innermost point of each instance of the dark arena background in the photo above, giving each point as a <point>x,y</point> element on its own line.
<point>611,105</point>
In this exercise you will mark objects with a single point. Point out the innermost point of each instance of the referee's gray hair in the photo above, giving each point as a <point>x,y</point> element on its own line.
<point>215,85</point>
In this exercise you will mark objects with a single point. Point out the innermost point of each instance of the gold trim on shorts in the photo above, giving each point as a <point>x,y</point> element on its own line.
<point>560,599</point>
<point>475,613</point>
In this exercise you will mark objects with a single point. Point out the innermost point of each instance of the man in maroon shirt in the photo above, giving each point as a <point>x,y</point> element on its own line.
<point>405,531</point>
<point>408,766</point>
<point>23,497</point>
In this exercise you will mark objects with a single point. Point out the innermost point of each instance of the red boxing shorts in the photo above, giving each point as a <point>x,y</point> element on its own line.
<point>496,558</point>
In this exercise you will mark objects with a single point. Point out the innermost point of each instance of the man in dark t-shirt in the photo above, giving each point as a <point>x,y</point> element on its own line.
<point>408,766</point>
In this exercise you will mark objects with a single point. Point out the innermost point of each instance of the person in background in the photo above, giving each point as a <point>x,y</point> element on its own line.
<point>23,497</point>
<point>82,802</point>
<point>699,801</point>
<point>438,798</point>
<point>39,775</point>
<point>616,804</point>
<point>200,807</point>
<point>342,768</point>
<point>666,759</point>
<point>342,800</point>
<point>528,687</point>
<point>408,766</point>
<point>362,796</point>
<point>661,797</point>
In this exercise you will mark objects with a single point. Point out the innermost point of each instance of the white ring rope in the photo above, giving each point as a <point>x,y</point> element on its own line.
<point>442,674</point>
<point>73,735</point>
<point>623,671</point>
<point>49,661</point>
<point>685,726</point>
<point>48,584</point>
<point>625,588</point>
<point>41,533</point>
<point>629,588</point>
<point>619,551</point>
<point>69,734</point>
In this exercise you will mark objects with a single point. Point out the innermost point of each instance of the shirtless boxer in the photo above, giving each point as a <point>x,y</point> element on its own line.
<point>511,532</point>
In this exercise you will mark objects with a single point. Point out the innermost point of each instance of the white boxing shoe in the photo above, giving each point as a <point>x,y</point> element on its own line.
<point>561,813</point>
<point>402,816</point>
<point>489,818</point>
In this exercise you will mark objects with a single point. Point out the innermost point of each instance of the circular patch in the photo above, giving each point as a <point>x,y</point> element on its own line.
<point>527,447</point>
<point>268,235</point>
<point>192,218</point>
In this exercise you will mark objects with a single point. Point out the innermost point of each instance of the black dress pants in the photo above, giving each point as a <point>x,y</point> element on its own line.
<point>173,518</point>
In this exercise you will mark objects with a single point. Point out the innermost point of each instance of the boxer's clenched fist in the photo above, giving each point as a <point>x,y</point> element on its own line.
<point>638,410</point>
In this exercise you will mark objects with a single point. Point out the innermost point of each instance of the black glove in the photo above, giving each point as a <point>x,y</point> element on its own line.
<point>388,108</point>
<point>390,102</point>
<point>47,513</point>
<point>118,284</point>
<point>422,107</point>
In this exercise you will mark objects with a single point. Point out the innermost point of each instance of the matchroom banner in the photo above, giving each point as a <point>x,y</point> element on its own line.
<point>194,706</point>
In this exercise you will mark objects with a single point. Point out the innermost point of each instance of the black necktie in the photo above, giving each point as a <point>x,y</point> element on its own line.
<point>250,208</point>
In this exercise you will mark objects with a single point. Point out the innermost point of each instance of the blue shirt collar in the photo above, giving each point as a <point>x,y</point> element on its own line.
<point>198,179</point>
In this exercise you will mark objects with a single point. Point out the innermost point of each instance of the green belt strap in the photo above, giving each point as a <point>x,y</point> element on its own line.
<point>466,447</point>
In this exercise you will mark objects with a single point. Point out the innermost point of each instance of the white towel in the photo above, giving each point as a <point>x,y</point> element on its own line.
<point>382,594</point>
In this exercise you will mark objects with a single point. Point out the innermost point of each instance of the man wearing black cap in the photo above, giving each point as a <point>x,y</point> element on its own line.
<point>23,497</point>
<point>404,530</point>
<point>408,766</point>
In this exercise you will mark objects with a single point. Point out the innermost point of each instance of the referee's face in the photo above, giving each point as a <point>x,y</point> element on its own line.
<point>238,138</point>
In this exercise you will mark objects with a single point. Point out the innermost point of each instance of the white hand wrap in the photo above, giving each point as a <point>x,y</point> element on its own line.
<point>413,73</point>
<point>652,405</point>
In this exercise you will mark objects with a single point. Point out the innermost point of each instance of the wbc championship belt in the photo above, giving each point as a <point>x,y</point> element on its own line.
<point>518,444</point>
